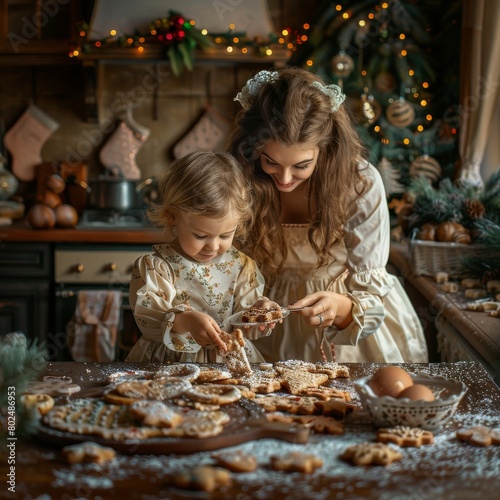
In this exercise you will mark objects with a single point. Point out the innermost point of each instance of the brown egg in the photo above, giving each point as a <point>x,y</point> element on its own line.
<point>390,381</point>
<point>41,217</point>
<point>55,183</point>
<point>49,198</point>
<point>417,392</point>
<point>66,216</point>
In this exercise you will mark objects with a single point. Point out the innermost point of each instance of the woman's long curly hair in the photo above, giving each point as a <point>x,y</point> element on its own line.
<point>292,111</point>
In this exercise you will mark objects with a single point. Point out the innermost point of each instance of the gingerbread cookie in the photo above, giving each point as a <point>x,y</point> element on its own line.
<point>300,405</point>
<point>332,369</point>
<point>195,427</point>
<point>38,403</point>
<point>236,461</point>
<point>295,461</point>
<point>186,403</point>
<point>235,356</point>
<point>213,394</point>
<point>370,454</point>
<point>405,436</point>
<point>260,382</point>
<point>88,452</point>
<point>187,371</point>
<point>52,386</point>
<point>203,478</point>
<point>326,393</point>
<point>262,315</point>
<point>155,413</point>
<point>161,389</point>
<point>479,435</point>
<point>320,424</point>
<point>95,417</point>
<point>212,375</point>
<point>337,408</point>
<point>298,381</point>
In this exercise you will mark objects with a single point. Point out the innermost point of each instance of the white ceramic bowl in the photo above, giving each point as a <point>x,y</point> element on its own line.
<point>387,411</point>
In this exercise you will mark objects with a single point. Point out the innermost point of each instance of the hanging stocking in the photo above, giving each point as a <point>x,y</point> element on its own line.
<point>25,139</point>
<point>119,152</point>
<point>209,132</point>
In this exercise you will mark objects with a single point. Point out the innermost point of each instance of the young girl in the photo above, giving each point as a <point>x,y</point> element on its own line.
<point>183,293</point>
<point>321,237</point>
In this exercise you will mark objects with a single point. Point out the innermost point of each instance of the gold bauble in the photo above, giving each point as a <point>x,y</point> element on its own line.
<point>400,113</point>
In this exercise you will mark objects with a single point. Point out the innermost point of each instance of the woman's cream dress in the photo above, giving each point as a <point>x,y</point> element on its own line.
<point>165,282</point>
<point>385,327</point>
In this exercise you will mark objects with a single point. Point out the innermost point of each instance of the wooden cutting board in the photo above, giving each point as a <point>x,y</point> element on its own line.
<point>248,423</point>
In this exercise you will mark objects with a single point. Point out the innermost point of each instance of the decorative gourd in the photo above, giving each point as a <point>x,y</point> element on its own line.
<point>427,232</point>
<point>450,231</point>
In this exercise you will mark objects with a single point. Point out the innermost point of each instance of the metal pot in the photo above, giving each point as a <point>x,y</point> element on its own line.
<point>110,193</point>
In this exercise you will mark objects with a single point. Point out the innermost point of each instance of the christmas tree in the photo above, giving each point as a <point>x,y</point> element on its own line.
<point>398,63</point>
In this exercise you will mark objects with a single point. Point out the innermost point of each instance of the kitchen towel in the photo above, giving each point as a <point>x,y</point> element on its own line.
<point>92,332</point>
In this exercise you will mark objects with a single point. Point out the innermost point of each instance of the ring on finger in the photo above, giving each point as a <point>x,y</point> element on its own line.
<point>320,319</point>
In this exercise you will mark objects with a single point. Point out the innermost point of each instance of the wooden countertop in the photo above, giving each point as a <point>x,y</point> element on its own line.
<point>445,469</point>
<point>20,231</point>
<point>479,329</point>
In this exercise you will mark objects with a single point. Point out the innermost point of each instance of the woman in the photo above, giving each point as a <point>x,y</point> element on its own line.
<point>322,232</point>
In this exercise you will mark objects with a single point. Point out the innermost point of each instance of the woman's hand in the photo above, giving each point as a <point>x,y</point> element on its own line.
<point>202,327</point>
<point>325,309</point>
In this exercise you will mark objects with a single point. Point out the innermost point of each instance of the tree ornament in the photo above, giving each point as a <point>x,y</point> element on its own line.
<point>8,181</point>
<point>371,108</point>
<point>400,113</point>
<point>425,166</point>
<point>385,82</point>
<point>342,65</point>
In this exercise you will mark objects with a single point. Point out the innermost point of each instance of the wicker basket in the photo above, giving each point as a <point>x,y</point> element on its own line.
<point>430,257</point>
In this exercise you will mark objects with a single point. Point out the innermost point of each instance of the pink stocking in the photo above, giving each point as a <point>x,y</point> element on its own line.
<point>25,139</point>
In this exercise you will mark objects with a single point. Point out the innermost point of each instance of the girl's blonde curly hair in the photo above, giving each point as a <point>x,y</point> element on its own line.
<point>204,183</point>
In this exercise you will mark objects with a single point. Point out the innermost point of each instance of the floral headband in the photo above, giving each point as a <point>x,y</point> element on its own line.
<point>252,87</point>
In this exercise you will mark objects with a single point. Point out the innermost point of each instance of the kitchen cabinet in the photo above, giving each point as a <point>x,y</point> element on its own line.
<point>42,271</point>
<point>25,289</point>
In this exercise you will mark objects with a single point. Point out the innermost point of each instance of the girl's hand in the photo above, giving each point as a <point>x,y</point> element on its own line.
<point>202,327</point>
<point>325,309</point>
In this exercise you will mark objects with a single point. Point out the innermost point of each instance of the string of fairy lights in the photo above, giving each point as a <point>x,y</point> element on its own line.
<point>401,110</point>
<point>177,30</point>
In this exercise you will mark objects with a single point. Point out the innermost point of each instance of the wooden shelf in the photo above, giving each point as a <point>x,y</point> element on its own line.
<point>155,52</point>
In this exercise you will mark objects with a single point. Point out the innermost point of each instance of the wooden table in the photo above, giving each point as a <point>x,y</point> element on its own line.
<point>453,333</point>
<point>445,469</point>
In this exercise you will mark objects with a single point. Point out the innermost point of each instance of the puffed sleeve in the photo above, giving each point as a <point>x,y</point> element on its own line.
<point>367,241</point>
<point>151,295</point>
